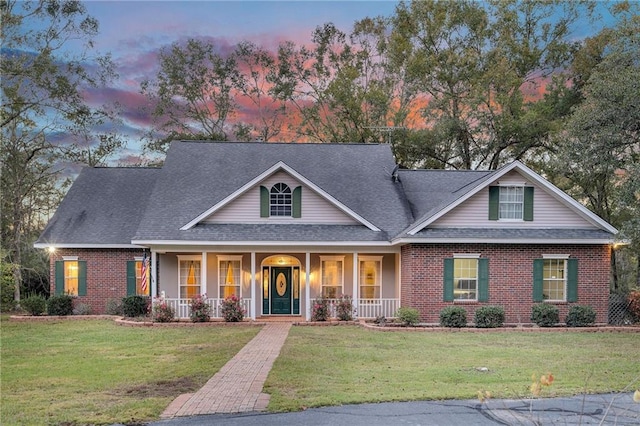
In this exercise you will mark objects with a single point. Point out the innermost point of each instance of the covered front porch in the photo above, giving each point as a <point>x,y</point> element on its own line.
<point>278,283</point>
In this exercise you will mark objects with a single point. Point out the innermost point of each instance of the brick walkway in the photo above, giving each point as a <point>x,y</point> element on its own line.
<point>237,387</point>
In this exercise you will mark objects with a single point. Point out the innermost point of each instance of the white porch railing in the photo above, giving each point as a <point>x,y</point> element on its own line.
<point>368,308</point>
<point>182,307</point>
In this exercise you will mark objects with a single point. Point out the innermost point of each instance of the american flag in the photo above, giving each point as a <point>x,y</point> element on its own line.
<point>144,272</point>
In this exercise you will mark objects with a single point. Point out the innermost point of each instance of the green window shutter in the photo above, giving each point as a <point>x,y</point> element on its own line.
<point>448,280</point>
<point>483,280</point>
<point>538,271</point>
<point>131,278</point>
<point>59,277</point>
<point>82,278</point>
<point>494,201</point>
<point>527,214</point>
<point>264,201</point>
<point>572,280</point>
<point>297,202</point>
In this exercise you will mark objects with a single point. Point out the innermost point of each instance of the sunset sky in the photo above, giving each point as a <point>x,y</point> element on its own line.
<point>134,32</point>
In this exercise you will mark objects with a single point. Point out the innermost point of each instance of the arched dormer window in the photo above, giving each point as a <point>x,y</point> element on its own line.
<point>280,200</point>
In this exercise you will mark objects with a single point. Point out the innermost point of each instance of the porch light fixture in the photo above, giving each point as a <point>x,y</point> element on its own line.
<point>51,249</point>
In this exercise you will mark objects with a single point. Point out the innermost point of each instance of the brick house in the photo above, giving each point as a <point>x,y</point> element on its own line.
<point>278,225</point>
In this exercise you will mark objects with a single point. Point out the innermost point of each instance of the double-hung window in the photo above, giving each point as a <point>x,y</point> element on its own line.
<point>370,277</point>
<point>511,202</point>
<point>138,277</point>
<point>71,276</point>
<point>229,275</point>
<point>189,276</point>
<point>466,278</point>
<point>555,278</point>
<point>332,276</point>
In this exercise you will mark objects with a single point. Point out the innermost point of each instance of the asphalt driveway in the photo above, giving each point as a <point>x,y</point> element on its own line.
<point>607,409</point>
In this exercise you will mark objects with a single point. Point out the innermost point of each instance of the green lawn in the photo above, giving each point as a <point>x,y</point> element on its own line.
<point>340,365</point>
<point>94,372</point>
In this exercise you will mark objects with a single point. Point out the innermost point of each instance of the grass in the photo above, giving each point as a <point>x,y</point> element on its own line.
<point>95,372</point>
<point>321,366</point>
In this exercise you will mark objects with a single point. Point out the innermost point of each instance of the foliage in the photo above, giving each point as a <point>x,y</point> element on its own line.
<point>200,309</point>
<point>231,309</point>
<point>113,307</point>
<point>380,320</point>
<point>545,315</point>
<point>344,308</point>
<point>453,316</point>
<point>580,316</point>
<point>82,309</point>
<point>43,88</point>
<point>7,286</point>
<point>162,311</point>
<point>135,306</point>
<point>489,317</point>
<point>60,304</point>
<point>634,303</point>
<point>408,317</point>
<point>320,310</point>
<point>537,384</point>
<point>34,304</point>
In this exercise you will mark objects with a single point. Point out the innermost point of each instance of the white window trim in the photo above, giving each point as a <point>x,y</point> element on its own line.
<point>69,258</point>
<point>224,258</point>
<point>182,257</point>
<point>565,280</point>
<point>337,258</point>
<point>467,256</point>
<point>370,259</point>
<point>511,185</point>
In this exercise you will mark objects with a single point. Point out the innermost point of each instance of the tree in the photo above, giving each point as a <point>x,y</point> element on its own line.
<point>42,86</point>
<point>473,62</point>
<point>601,146</point>
<point>193,92</point>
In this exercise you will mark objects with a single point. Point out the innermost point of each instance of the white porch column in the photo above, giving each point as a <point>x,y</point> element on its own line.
<point>253,286</point>
<point>307,290</point>
<point>203,273</point>
<point>356,296</point>
<point>154,275</point>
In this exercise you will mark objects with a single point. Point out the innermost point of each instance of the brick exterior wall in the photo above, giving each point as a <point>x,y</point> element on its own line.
<point>510,278</point>
<point>106,274</point>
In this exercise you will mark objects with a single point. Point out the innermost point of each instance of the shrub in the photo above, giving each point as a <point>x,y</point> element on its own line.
<point>408,317</point>
<point>545,315</point>
<point>60,304</point>
<point>34,304</point>
<point>82,309</point>
<point>134,306</point>
<point>200,309</point>
<point>231,309</point>
<point>162,311</point>
<point>344,308</point>
<point>113,307</point>
<point>453,316</point>
<point>489,317</point>
<point>580,316</point>
<point>320,309</point>
<point>634,303</point>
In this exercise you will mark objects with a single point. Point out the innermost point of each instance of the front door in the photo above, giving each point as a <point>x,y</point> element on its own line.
<point>280,290</point>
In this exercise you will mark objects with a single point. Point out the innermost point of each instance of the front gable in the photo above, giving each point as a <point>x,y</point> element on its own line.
<point>544,206</point>
<point>248,207</point>
<point>247,204</point>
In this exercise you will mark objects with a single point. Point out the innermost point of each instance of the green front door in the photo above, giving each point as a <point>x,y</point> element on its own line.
<point>280,290</point>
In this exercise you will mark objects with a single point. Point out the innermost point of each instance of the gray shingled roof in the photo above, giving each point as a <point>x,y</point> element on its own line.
<point>198,175</point>
<point>117,205</point>
<point>430,191</point>
<point>103,206</point>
